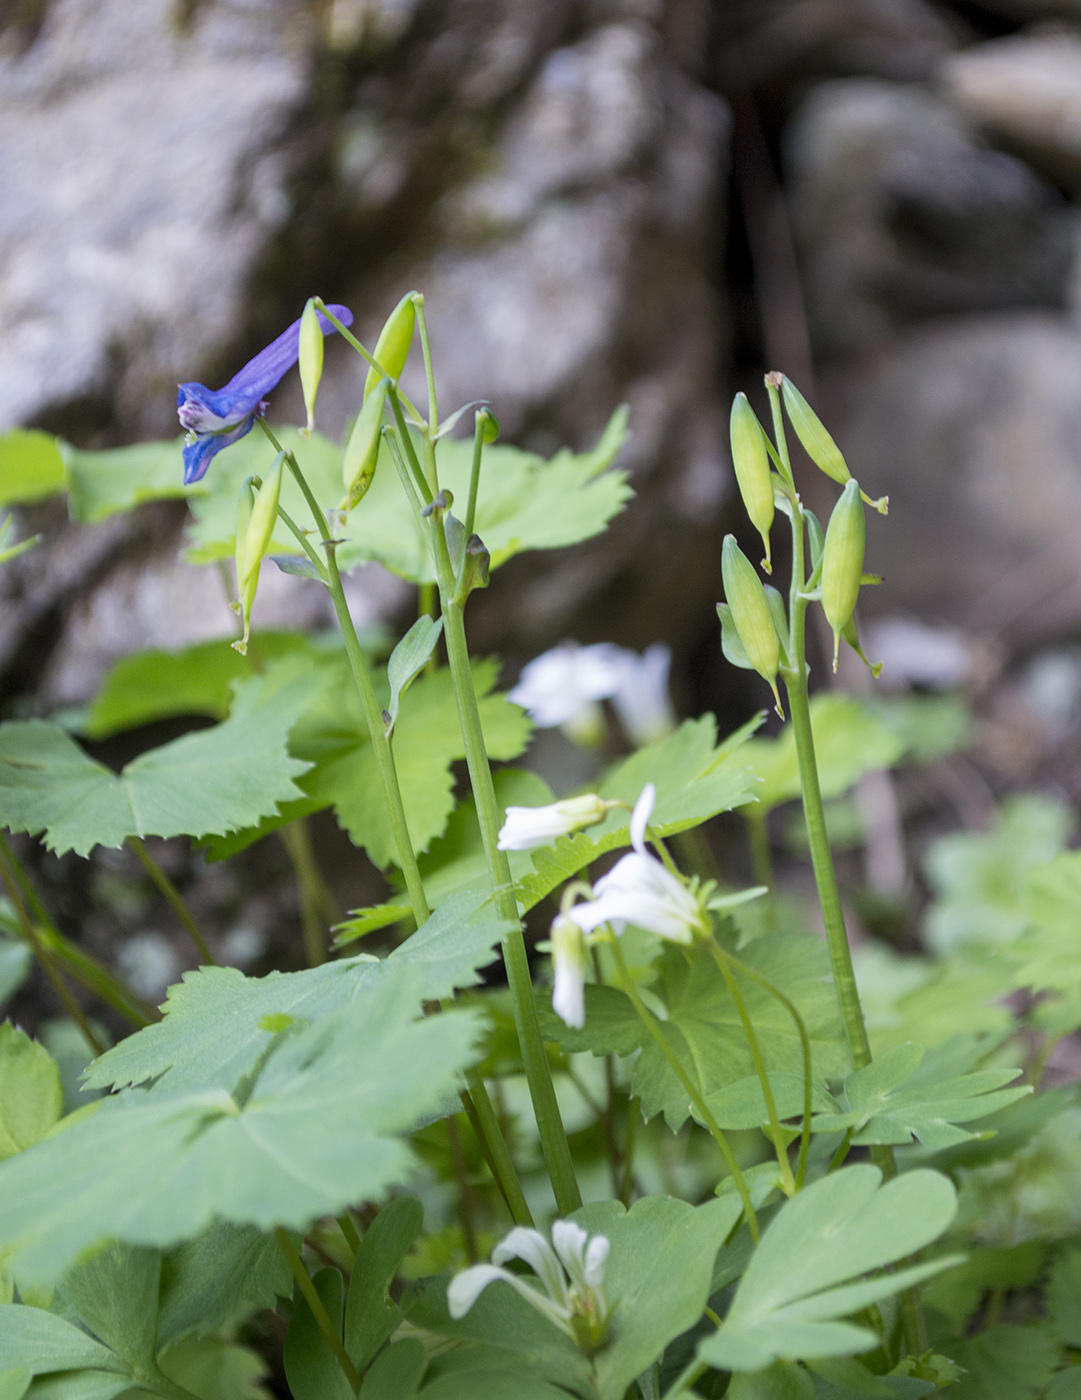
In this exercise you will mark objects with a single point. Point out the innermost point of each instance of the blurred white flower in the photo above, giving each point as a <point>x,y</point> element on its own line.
<point>562,687</point>
<point>642,701</point>
<point>568,965</point>
<point>572,1275</point>
<point>526,827</point>
<point>639,890</point>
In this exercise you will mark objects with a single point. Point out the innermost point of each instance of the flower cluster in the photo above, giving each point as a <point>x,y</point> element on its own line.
<point>570,1271</point>
<point>563,688</point>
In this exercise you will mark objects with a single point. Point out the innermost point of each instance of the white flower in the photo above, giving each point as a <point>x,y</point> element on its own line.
<point>526,827</point>
<point>642,701</point>
<point>639,890</point>
<point>572,1275</point>
<point>562,686</point>
<point>568,964</point>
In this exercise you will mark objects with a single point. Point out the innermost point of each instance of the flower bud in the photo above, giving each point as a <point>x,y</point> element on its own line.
<point>842,561</point>
<point>817,443</point>
<point>262,518</point>
<point>490,425</point>
<point>528,827</point>
<point>568,966</point>
<point>750,459</point>
<point>311,358</point>
<point>392,348</point>
<point>750,610</point>
<point>362,449</point>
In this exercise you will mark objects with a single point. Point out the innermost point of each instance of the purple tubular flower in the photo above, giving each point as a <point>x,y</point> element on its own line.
<point>216,418</point>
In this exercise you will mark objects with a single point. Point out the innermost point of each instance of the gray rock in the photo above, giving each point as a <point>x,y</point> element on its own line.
<point>900,213</point>
<point>972,428</point>
<point>143,174</point>
<point>1026,91</point>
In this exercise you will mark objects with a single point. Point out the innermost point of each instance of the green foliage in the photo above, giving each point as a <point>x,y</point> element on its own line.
<point>15,960</point>
<point>212,1283</point>
<point>312,1126</point>
<point>800,1281</point>
<point>1007,1362</point>
<point>408,659</point>
<point>904,1095</point>
<point>311,1367</point>
<point>101,484</point>
<point>979,877</point>
<point>370,1314</point>
<point>31,1099</point>
<point>31,467</point>
<point>695,778</point>
<point>954,1297</point>
<point>849,740</point>
<point>215,780</point>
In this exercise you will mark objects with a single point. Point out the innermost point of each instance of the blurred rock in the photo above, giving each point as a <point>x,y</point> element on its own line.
<point>900,213</point>
<point>144,173</point>
<point>1026,91</point>
<point>972,428</point>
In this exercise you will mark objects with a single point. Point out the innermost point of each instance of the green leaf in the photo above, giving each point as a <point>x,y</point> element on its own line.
<point>370,1315</point>
<point>903,1095</point>
<point>742,1105</point>
<point>850,740</point>
<point>31,1096</point>
<point>315,1126</point>
<point>15,960</point>
<point>80,1385</point>
<point>908,998</point>
<point>101,484</point>
<point>31,467</point>
<point>695,779</point>
<point>1045,958</point>
<point>199,680</point>
<point>781,1381</point>
<point>656,1278</point>
<point>311,1368</point>
<point>14,1383</point>
<point>408,659</point>
<point>215,1282</point>
<point>361,922</point>
<point>219,1023</point>
<point>115,1293</point>
<point>212,1368</point>
<point>524,502</point>
<point>214,780</point>
<point>959,1293</point>
<point>930,726</point>
<point>800,1281</point>
<point>43,1342</point>
<point>1007,1362</point>
<point>735,653</point>
<point>842,1378</point>
<point>979,878</point>
<point>397,1372</point>
<point>1064,1296</point>
<point>1066,1385</point>
<point>427,741</point>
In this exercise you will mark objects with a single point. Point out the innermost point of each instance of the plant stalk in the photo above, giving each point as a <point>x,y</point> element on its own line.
<point>319,1312</point>
<point>172,897</point>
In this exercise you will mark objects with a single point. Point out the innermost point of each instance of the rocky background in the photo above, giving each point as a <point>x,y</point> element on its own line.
<point>648,201</point>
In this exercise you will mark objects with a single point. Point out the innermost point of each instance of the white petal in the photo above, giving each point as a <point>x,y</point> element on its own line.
<point>643,810</point>
<point>642,700</point>
<point>533,1249</point>
<point>569,1240</point>
<point>465,1288</point>
<point>596,1255</point>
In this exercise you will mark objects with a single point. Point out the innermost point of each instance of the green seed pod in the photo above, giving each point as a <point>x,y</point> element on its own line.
<point>244,503</point>
<point>750,611</point>
<point>842,561</point>
<point>817,443</point>
<point>362,450</point>
<point>850,632</point>
<point>262,517</point>
<point>751,461</point>
<point>392,347</point>
<point>311,358</point>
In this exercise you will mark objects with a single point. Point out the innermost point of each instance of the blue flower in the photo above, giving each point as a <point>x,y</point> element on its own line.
<point>216,418</point>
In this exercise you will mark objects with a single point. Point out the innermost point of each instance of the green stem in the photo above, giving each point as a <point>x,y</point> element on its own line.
<point>429,369</point>
<point>313,1300</point>
<point>761,856</point>
<point>805,1050</point>
<point>695,1094</point>
<point>72,1007</point>
<point>296,838</point>
<point>92,975</point>
<point>634,1114</point>
<point>474,473</point>
<point>365,354</point>
<point>305,543</point>
<point>421,483</point>
<point>685,1380</point>
<point>556,1149</point>
<point>349,1231</point>
<point>482,1115</point>
<point>788,1181</point>
<point>466,1202</point>
<point>172,896</point>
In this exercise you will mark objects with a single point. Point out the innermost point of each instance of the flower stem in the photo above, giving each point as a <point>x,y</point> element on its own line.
<point>319,1312</point>
<point>172,896</point>
<point>297,840</point>
<point>650,1022</point>
<point>482,1115</point>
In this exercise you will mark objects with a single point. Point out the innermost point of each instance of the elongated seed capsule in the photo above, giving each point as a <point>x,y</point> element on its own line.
<point>362,449</point>
<point>751,462</point>
<point>746,597</point>
<point>817,443</point>
<point>311,358</point>
<point>850,632</point>
<point>257,537</point>
<point>842,561</point>
<point>244,503</point>
<point>392,347</point>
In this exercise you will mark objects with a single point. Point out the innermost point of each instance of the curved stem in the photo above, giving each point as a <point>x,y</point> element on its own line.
<point>788,1181</point>
<point>319,1312</point>
<point>297,840</point>
<point>305,544</point>
<point>172,896</point>
<point>365,354</point>
<point>429,369</point>
<point>481,1112</point>
<point>650,1022</point>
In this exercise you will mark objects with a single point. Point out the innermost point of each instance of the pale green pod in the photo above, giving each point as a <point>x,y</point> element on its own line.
<point>842,561</point>
<point>750,610</point>
<point>392,347</point>
<point>817,443</point>
<point>751,461</point>
<point>264,515</point>
<point>244,503</point>
<point>311,358</point>
<point>362,449</point>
